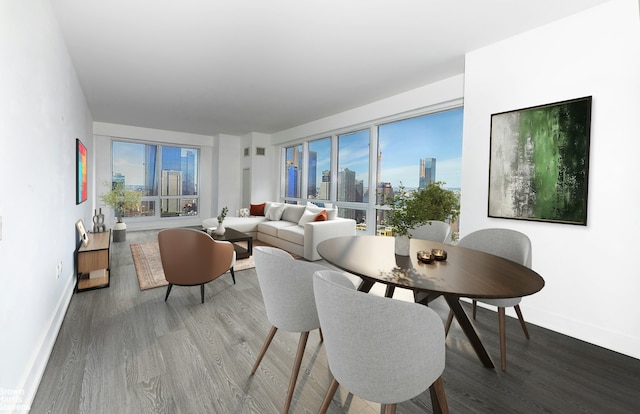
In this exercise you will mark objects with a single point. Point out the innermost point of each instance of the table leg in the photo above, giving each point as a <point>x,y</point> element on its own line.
<point>468,329</point>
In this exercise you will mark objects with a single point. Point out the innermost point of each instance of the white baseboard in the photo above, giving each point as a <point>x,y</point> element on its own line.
<point>34,373</point>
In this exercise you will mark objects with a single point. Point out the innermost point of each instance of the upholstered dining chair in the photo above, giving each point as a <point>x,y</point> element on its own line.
<point>287,291</point>
<point>191,257</point>
<point>435,230</point>
<point>380,349</point>
<point>509,244</point>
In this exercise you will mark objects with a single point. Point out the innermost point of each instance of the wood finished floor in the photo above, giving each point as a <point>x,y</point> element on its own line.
<point>121,350</point>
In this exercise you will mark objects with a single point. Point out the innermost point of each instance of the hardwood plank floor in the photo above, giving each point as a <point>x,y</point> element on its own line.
<point>122,350</point>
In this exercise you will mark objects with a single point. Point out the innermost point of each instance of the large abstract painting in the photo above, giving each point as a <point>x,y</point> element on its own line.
<point>539,162</point>
<point>81,172</point>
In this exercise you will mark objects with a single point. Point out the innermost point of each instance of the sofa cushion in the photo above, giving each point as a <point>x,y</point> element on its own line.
<point>294,234</point>
<point>274,211</point>
<point>257,209</point>
<point>292,212</point>
<point>271,227</point>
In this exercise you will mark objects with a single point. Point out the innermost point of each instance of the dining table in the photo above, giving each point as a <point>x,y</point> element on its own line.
<point>462,273</point>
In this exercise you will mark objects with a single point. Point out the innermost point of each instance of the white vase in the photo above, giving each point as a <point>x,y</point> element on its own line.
<point>220,229</point>
<point>402,245</point>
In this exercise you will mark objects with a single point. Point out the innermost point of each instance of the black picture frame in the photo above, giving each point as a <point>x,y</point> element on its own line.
<point>539,162</point>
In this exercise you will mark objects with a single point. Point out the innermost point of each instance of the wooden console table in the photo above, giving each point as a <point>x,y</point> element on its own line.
<point>94,257</point>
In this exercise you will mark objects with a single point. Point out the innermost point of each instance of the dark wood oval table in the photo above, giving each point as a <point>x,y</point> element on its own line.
<point>465,273</point>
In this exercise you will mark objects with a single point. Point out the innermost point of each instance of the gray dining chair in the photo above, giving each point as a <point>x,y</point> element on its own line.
<point>435,230</point>
<point>287,291</point>
<point>509,244</point>
<point>380,349</point>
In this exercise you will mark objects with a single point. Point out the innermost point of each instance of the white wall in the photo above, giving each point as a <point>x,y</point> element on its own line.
<point>42,112</point>
<point>591,273</point>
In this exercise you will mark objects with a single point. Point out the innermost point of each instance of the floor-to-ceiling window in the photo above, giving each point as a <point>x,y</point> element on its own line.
<point>417,151</point>
<point>167,177</point>
<point>413,151</point>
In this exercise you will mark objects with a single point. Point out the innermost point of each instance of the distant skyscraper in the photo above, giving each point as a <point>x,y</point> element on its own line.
<point>427,172</point>
<point>312,189</point>
<point>325,185</point>
<point>171,183</point>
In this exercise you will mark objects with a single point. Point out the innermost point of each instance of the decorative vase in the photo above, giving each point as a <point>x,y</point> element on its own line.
<point>220,229</point>
<point>402,245</point>
<point>119,232</point>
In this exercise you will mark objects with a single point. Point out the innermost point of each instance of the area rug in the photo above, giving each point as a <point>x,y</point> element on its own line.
<point>146,259</point>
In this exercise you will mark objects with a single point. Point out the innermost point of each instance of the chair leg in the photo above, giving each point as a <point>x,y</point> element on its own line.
<point>233,275</point>
<point>321,336</point>
<point>302,343</point>
<point>329,396</point>
<point>503,338</point>
<point>438,397</point>
<point>168,291</point>
<point>390,408</point>
<point>267,342</point>
<point>202,293</point>
<point>474,308</point>
<point>521,319</point>
<point>447,325</point>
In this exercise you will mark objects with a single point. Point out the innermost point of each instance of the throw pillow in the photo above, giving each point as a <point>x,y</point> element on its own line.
<point>307,217</point>
<point>321,216</point>
<point>244,212</point>
<point>274,213</point>
<point>332,213</point>
<point>257,209</point>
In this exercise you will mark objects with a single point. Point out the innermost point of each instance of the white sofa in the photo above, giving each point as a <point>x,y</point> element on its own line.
<point>291,227</point>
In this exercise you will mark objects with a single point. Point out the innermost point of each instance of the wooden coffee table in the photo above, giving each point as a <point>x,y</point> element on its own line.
<point>234,236</point>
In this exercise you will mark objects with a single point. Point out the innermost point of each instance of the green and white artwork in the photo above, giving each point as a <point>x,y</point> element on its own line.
<point>539,162</point>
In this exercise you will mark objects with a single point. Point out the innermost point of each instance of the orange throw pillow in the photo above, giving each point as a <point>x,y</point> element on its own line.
<point>321,216</point>
<point>257,209</point>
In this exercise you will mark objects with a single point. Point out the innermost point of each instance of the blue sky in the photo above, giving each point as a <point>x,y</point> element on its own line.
<point>403,144</point>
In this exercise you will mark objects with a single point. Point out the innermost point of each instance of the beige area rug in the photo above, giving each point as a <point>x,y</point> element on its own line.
<point>146,259</point>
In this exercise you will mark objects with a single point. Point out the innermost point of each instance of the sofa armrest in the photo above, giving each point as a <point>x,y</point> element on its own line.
<point>318,231</point>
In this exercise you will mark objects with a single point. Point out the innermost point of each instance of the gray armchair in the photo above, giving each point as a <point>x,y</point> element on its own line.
<point>511,245</point>
<point>381,349</point>
<point>437,231</point>
<point>287,291</point>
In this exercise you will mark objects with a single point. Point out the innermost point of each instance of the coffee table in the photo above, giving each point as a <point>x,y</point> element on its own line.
<point>235,236</point>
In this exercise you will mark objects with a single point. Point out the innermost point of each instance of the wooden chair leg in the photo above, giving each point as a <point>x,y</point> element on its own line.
<point>267,342</point>
<point>329,396</point>
<point>168,291</point>
<point>438,397</point>
<point>233,275</point>
<point>503,338</point>
<point>202,293</point>
<point>390,408</point>
<point>447,325</point>
<point>474,308</point>
<point>521,319</point>
<point>302,343</point>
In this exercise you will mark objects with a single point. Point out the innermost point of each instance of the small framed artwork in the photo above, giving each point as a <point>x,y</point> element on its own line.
<point>82,232</point>
<point>81,172</point>
<point>539,162</point>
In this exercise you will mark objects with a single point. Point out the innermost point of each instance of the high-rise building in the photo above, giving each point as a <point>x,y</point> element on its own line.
<point>312,189</point>
<point>427,172</point>
<point>325,185</point>
<point>171,183</point>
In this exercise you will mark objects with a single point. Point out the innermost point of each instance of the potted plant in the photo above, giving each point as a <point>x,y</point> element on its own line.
<point>220,229</point>
<point>121,200</point>
<point>411,209</point>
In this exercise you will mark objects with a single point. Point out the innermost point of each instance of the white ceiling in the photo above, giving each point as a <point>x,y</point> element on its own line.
<point>237,66</point>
